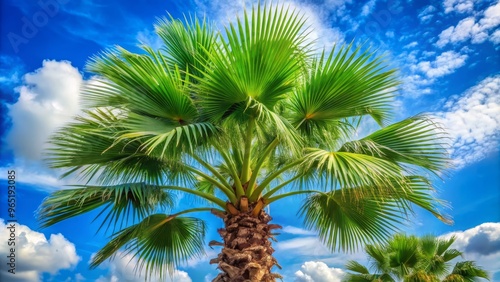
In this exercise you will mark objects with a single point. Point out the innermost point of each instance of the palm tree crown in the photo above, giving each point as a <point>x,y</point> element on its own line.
<point>241,118</point>
<point>413,259</point>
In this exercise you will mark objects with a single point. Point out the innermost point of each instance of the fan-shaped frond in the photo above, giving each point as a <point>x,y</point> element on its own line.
<point>416,141</point>
<point>160,242</point>
<point>345,169</point>
<point>347,83</point>
<point>403,253</point>
<point>260,61</point>
<point>187,44</point>
<point>356,267</point>
<point>469,271</point>
<point>121,203</point>
<point>343,220</point>
<point>90,147</point>
<point>350,216</point>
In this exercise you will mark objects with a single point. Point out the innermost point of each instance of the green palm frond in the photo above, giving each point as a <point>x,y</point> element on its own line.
<point>155,98</point>
<point>345,84</point>
<point>350,277</point>
<point>160,242</point>
<point>421,276</point>
<point>90,147</point>
<point>431,261</point>
<point>260,61</point>
<point>350,216</point>
<point>428,246</point>
<point>469,271</point>
<point>416,141</point>
<point>343,220</point>
<point>455,278</point>
<point>415,259</point>
<point>356,267</point>
<point>345,169</point>
<point>379,259</point>
<point>187,44</point>
<point>403,253</point>
<point>121,203</point>
<point>444,244</point>
<point>163,137</point>
<point>448,255</point>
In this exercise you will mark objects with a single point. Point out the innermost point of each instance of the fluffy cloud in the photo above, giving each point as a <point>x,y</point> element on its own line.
<point>472,28</point>
<point>35,254</point>
<point>473,121</point>
<point>368,7</point>
<point>427,14</point>
<point>48,98</point>
<point>495,37</point>
<point>458,6</point>
<point>444,64</point>
<point>297,231</point>
<point>480,244</point>
<point>122,268</point>
<point>303,246</point>
<point>317,271</point>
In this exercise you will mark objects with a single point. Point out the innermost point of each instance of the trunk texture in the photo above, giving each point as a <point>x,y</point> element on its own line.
<point>247,253</point>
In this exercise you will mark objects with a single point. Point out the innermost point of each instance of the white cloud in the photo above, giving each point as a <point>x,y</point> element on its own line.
<point>472,28</point>
<point>35,254</point>
<point>459,6</point>
<point>303,246</point>
<point>444,64</point>
<point>122,268</point>
<point>480,244</point>
<point>495,37</point>
<point>317,271</point>
<point>368,7</point>
<point>427,14</point>
<point>149,38</point>
<point>410,45</point>
<point>48,98</point>
<point>473,121</point>
<point>77,278</point>
<point>297,231</point>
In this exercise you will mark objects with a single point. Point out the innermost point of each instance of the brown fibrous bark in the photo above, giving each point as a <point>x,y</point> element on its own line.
<point>247,253</point>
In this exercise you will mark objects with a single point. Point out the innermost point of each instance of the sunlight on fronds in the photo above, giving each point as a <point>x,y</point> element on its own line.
<point>120,203</point>
<point>160,243</point>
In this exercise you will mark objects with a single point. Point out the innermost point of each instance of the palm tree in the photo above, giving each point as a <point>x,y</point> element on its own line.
<point>240,119</point>
<point>414,259</point>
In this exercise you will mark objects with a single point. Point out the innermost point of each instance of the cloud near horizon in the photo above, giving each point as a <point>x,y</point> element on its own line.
<point>317,271</point>
<point>122,268</point>
<point>36,254</point>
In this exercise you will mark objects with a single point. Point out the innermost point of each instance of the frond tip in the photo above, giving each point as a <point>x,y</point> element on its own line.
<point>160,242</point>
<point>124,202</point>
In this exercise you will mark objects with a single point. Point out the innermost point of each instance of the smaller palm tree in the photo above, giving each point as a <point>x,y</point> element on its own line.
<point>413,259</point>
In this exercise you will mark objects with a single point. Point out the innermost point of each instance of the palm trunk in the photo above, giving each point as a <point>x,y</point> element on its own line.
<point>247,253</point>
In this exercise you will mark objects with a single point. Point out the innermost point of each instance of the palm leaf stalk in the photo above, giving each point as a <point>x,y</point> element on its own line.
<point>241,118</point>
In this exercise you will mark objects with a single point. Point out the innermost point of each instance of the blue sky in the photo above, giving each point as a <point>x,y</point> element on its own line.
<point>447,53</point>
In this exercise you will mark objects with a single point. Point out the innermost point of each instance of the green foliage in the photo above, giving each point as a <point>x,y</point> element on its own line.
<point>413,259</point>
<point>251,110</point>
<point>123,203</point>
<point>159,242</point>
